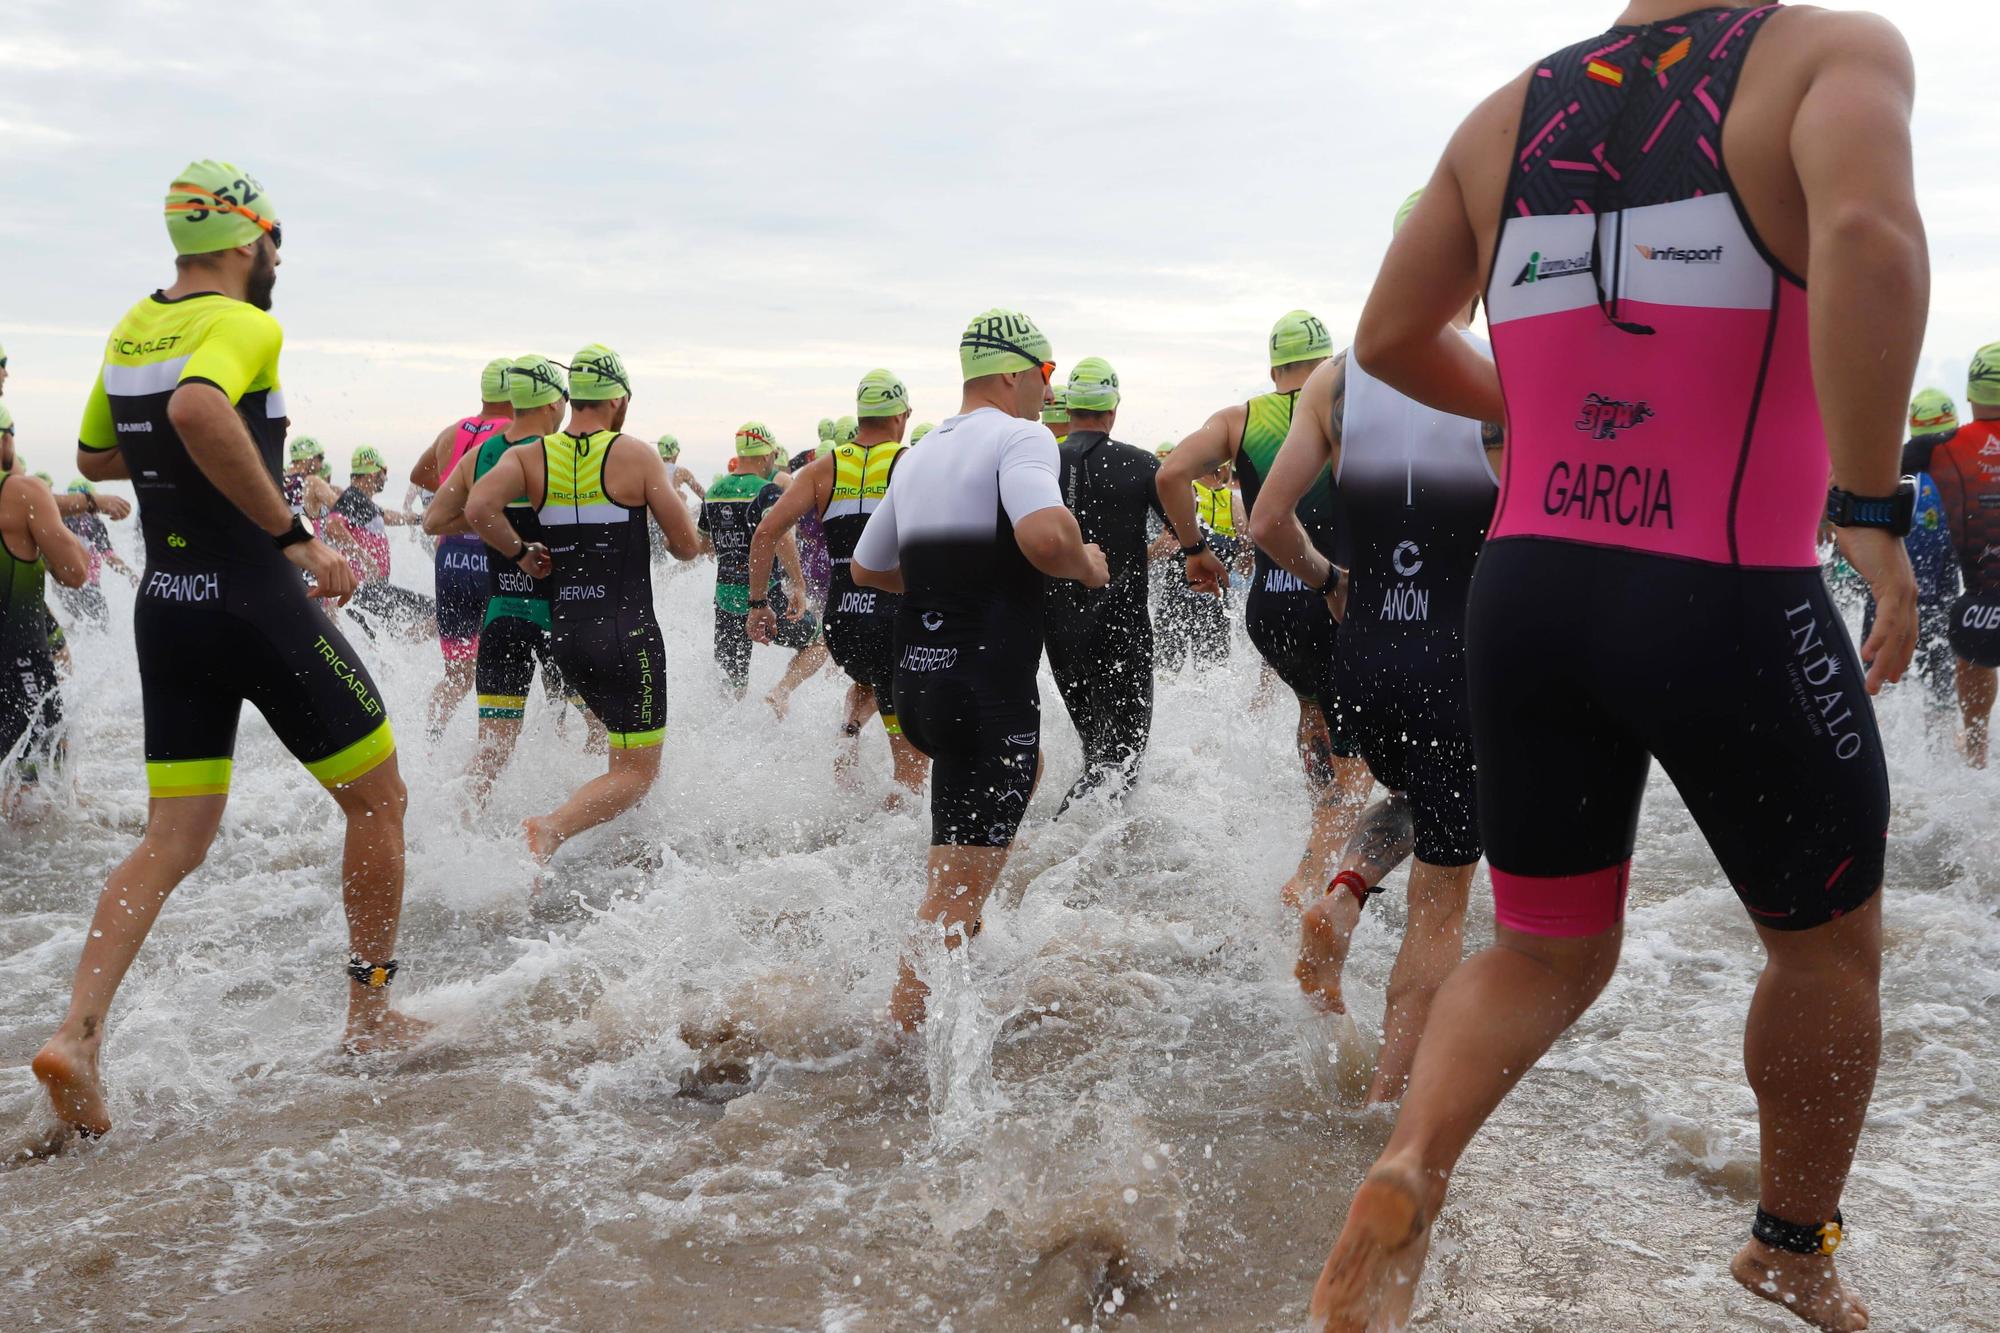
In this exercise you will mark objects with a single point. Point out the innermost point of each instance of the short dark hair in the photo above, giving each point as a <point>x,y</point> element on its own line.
<point>1089,420</point>
<point>209,260</point>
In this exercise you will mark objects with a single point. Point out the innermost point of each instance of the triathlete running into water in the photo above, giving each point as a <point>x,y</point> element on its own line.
<point>1643,210</point>
<point>1966,468</point>
<point>1415,489</point>
<point>736,503</point>
<point>1933,557</point>
<point>459,562</point>
<point>1288,621</point>
<point>33,545</point>
<point>188,408</point>
<point>845,485</point>
<point>592,487</point>
<point>514,635</point>
<point>87,602</point>
<point>972,523</point>
<point>358,528</point>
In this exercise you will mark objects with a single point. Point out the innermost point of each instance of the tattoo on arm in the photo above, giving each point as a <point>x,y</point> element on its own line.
<point>1385,836</point>
<point>1339,417</point>
<point>1492,435</point>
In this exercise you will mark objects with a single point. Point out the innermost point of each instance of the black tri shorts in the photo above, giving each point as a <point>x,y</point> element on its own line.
<point>212,639</point>
<point>510,648</point>
<point>983,732</point>
<point>1408,720</point>
<point>1975,628</point>
<point>1585,663</point>
<point>733,642</point>
<point>861,635</point>
<point>30,707</point>
<point>617,666</point>
<point>1293,631</point>
<point>461,595</point>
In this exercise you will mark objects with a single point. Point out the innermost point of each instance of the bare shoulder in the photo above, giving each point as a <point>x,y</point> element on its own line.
<point>1818,37</point>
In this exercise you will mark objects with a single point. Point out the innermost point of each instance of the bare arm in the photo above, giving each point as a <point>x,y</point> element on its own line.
<point>780,519</point>
<point>445,515</point>
<point>68,559</point>
<point>220,445</point>
<point>687,479</point>
<point>888,580</point>
<point>102,464</point>
<point>1198,455</point>
<point>486,511</point>
<point>1431,274</point>
<point>1054,544</point>
<point>428,474</point>
<point>1312,443</point>
<point>676,524</point>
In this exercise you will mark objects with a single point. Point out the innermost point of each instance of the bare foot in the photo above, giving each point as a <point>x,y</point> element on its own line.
<point>542,839</point>
<point>1370,1279</point>
<point>390,1032</point>
<point>1322,954</point>
<point>906,1002</point>
<point>780,701</point>
<point>1805,1284</point>
<point>68,1069</point>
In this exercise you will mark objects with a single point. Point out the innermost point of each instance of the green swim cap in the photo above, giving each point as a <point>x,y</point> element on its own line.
<point>670,448</point>
<point>304,447</point>
<point>1093,386</point>
<point>81,487</point>
<point>535,381</point>
<point>922,431</point>
<point>1982,382</point>
<point>1299,336</point>
<point>493,381</point>
<point>1000,341</point>
<point>1931,412</point>
<point>881,394</point>
<point>217,206</point>
<point>754,439</point>
<point>46,480</point>
<point>846,430</point>
<point>1166,447</point>
<point>367,459</point>
<point>1055,412</point>
<point>325,471</point>
<point>596,375</point>
<point>1403,213</point>
<point>826,430</point>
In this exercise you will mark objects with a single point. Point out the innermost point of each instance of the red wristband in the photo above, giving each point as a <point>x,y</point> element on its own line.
<point>1353,883</point>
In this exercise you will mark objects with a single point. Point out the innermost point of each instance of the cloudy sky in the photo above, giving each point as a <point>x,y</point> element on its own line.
<point>756,203</point>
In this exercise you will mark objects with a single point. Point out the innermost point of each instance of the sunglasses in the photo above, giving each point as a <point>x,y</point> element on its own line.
<point>1048,368</point>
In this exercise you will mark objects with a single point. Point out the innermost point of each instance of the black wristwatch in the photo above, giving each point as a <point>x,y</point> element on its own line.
<point>759,603</point>
<point>1189,552</point>
<point>1895,512</point>
<point>1332,581</point>
<point>293,535</point>
<point>527,546</point>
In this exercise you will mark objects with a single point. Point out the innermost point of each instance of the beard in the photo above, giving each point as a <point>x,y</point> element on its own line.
<point>263,278</point>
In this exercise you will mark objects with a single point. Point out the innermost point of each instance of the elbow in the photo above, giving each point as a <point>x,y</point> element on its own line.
<point>1265,524</point>
<point>1043,551</point>
<point>863,576</point>
<point>683,548</point>
<point>97,464</point>
<point>1384,348</point>
<point>1872,233</point>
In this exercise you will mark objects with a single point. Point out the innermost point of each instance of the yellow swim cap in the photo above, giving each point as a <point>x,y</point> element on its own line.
<point>218,206</point>
<point>754,439</point>
<point>535,381</point>
<point>1299,336</point>
<point>880,394</point>
<point>1982,382</point>
<point>493,381</point>
<point>596,375</point>
<point>1001,341</point>
<point>1093,386</point>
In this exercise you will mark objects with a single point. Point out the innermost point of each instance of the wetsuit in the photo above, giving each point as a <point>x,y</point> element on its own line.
<point>1415,495</point>
<point>736,503</point>
<point>514,633</point>
<point>1100,641</point>
<point>1290,624</point>
<point>30,703</point>
<point>861,622</point>
<point>1651,587</point>
<point>459,563</point>
<point>606,639</point>
<point>969,631</point>
<point>222,616</point>
<point>1967,471</point>
<point>88,601</point>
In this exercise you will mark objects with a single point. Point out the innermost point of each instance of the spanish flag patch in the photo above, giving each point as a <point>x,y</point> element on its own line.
<point>1605,73</point>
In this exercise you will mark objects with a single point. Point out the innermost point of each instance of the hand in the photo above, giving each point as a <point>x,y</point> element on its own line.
<point>330,574</point>
<point>1206,573</point>
<point>1096,570</point>
<point>114,507</point>
<point>795,602</point>
<point>762,624</point>
<point>1336,598</point>
<point>1884,561</point>
<point>535,560</point>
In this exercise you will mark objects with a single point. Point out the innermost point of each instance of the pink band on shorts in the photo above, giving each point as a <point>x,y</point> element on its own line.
<point>460,650</point>
<point>1564,906</point>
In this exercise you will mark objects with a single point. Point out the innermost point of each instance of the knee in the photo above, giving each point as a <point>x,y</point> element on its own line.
<point>179,853</point>
<point>380,796</point>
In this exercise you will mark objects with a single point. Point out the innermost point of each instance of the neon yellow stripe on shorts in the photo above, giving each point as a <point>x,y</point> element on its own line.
<point>638,740</point>
<point>891,725</point>
<point>503,705</point>
<point>188,777</point>
<point>356,761</point>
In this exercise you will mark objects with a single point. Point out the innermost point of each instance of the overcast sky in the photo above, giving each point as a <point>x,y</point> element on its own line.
<point>757,203</point>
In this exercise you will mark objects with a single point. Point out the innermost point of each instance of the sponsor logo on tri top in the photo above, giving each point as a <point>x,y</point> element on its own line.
<point>1987,450</point>
<point>1674,254</point>
<point>1603,493</point>
<point>933,621</point>
<point>351,676</point>
<point>856,604</point>
<point>1815,670</point>
<point>135,427</point>
<point>1604,417</point>
<point>183,587</point>
<point>1978,616</point>
<point>1025,741</point>
<point>1408,558</point>
<point>1542,269</point>
<point>929,659</point>
<point>127,347</point>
